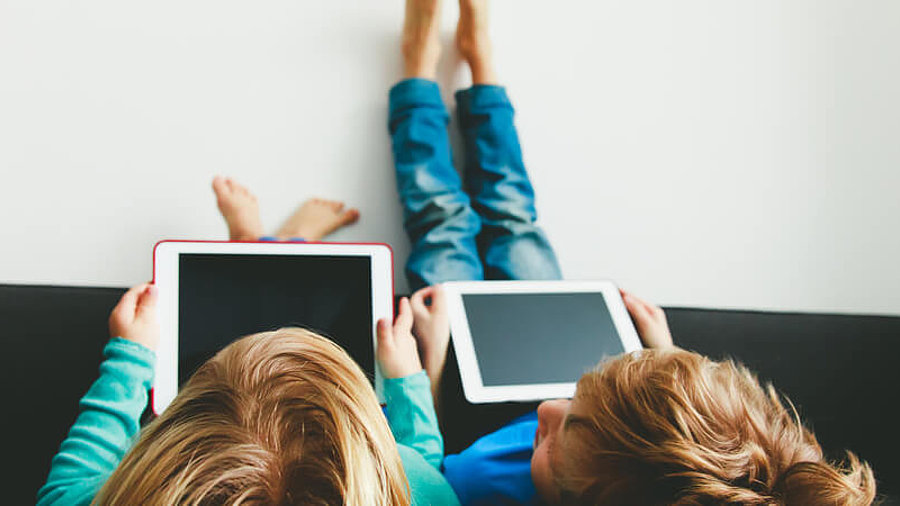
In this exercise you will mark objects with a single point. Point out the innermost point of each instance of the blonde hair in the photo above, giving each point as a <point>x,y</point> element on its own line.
<point>673,427</point>
<point>283,417</point>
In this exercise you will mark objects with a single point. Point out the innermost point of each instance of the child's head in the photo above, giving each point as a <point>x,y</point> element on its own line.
<point>673,427</point>
<point>282,417</point>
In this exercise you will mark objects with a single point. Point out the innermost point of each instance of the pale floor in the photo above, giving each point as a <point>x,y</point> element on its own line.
<point>699,153</point>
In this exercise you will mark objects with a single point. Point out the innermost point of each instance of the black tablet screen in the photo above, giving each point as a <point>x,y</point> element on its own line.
<point>224,297</point>
<point>532,338</point>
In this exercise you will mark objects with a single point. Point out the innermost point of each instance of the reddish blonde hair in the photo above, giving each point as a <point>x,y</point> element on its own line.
<point>673,427</point>
<point>284,417</point>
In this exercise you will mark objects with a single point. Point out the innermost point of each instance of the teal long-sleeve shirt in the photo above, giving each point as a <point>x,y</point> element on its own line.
<point>109,422</point>
<point>106,427</point>
<point>411,416</point>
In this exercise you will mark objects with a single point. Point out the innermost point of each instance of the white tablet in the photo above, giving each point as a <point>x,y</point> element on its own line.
<point>532,340</point>
<point>212,293</point>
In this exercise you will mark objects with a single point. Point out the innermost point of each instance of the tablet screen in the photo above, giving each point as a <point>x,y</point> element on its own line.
<point>222,297</point>
<point>531,338</point>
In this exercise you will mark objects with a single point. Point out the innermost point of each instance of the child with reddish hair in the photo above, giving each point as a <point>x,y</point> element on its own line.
<point>662,426</point>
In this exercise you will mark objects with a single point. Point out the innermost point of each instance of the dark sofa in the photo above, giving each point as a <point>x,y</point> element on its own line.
<point>839,370</point>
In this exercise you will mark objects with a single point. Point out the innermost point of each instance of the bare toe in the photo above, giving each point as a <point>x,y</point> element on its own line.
<point>219,186</point>
<point>239,209</point>
<point>350,216</point>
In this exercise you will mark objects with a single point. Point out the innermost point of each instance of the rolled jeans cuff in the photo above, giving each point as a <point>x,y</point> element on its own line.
<point>414,92</point>
<point>482,96</point>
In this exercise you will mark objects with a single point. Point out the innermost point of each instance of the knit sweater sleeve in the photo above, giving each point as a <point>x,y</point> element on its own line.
<point>107,424</point>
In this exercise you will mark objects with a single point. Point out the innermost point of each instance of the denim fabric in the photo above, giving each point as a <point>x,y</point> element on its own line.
<point>484,229</point>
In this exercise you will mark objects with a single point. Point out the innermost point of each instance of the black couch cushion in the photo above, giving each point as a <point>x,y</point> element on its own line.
<point>839,370</point>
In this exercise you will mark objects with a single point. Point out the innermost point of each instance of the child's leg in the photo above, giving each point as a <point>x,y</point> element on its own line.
<point>437,214</point>
<point>511,244</point>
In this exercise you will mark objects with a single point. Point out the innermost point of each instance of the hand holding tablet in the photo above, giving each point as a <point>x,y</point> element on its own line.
<point>396,351</point>
<point>134,317</point>
<point>514,340</point>
<point>650,321</point>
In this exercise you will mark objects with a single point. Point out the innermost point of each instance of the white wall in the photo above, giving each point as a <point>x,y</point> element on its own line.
<point>700,152</point>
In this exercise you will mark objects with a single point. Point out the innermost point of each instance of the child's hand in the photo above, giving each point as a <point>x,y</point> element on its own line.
<point>650,321</point>
<point>397,352</point>
<point>431,326</point>
<point>134,317</point>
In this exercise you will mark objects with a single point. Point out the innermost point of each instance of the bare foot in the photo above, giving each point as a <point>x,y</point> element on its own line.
<point>239,208</point>
<point>316,218</point>
<point>474,42</point>
<point>421,43</point>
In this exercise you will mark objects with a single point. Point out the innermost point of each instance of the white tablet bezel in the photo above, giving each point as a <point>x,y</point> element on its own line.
<point>469,372</point>
<point>165,276</point>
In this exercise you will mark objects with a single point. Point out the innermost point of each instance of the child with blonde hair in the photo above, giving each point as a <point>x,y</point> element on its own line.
<point>283,417</point>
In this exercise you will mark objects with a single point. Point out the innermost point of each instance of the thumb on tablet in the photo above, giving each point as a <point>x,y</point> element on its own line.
<point>433,294</point>
<point>383,332</point>
<point>134,318</point>
<point>417,301</point>
<point>146,302</point>
<point>649,320</point>
<point>124,312</point>
<point>404,321</point>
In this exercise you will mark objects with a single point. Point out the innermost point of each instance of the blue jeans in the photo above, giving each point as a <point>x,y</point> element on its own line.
<point>485,230</point>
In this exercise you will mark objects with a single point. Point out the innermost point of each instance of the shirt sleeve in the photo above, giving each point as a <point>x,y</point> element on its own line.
<point>108,421</point>
<point>496,469</point>
<point>411,416</point>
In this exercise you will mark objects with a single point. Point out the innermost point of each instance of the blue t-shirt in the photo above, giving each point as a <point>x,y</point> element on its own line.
<point>496,469</point>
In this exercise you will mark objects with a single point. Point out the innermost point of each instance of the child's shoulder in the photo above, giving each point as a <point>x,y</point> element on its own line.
<point>427,484</point>
<point>497,467</point>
